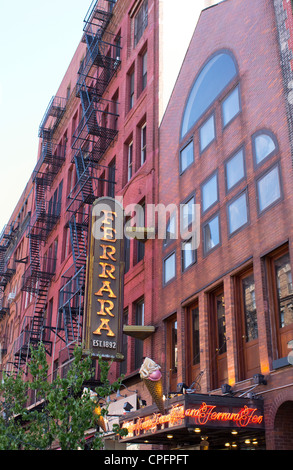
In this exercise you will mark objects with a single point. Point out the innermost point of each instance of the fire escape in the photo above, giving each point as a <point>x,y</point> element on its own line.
<point>92,137</point>
<point>41,269</point>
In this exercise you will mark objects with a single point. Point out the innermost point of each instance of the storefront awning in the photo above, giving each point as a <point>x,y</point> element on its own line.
<point>190,418</point>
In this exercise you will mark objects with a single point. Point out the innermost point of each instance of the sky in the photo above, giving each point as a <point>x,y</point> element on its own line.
<point>37,41</point>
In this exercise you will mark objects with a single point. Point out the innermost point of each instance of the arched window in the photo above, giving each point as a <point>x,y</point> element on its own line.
<point>264,145</point>
<point>218,72</point>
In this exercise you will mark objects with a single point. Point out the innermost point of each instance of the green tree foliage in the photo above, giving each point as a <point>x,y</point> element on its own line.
<point>66,409</point>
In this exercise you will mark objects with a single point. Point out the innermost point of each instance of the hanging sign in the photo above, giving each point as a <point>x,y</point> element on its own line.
<point>104,291</point>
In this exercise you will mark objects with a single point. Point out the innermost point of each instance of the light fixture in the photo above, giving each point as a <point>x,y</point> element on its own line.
<point>170,436</point>
<point>247,441</point>
<point>259,379</point>
<point>127,407</point>
<point>181,387</point>
<point>197,430</point>
<point>226,388</point>
<point>234,432</point>
<point>227,444</point>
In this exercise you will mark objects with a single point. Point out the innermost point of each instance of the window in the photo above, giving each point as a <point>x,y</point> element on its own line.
<point>144,70</point>
<point>211,234</point>
<point>138,346</point>
<point>131,89</point>
<point>268,188</point>
<point>139,243</point>
<point>281,298</point>
<point>195,335</point>
<point>238,213</point>
<point>249,308</point>
<point>264,146</point>
<point>171,229</point>
<point>207,133</point>
<point>111,177</point>
<point>231,106</point>
<point>187,213</point>
<point>140,21</point>
<point>123,364</point>
<point>143,144</point>
<point>126,254</point>
<point>130,161</point>
<point>188,254</point>
<point>235,170</point>
<point>210,192</point>
<point>172,352</point>
<point>169,268</point>
<point>186,157</point>
<point>215,76</point>
<point>218,345</point>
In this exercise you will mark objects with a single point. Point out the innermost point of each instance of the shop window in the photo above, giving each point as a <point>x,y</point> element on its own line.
<point>140,21</point>
<point>231,106</point>
<point>249,363</point>
<point>172,353</point>
<point>193,343</point>
<point>238,213</point>
<point>211,234</point>
<point>169,266</point>
<point>235,170</point>
<point>207,133</point>
<point>269,188</point>
<point>186,156</point>
<point>281,279</point>
<point>188,254</point>
<point>218,339</point>
<point>209,192</point>
<point>215,76</point>
<point>264,146</point>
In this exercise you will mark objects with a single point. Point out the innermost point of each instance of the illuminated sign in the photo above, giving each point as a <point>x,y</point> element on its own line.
<point>203,414</point>
<point>102,333</point>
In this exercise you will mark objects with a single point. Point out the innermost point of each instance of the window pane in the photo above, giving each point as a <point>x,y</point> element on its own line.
<point>171,233</point>
<point>188,254</point>
<point>220,306</point>
<point>249,307</point>
<point>188,213</point>
<point>237,213</point>
<point>264,146</point>
<point>235,169</point>
<point>211,234</point>
<point>207,133</point>
<point>195,336</point>
<point>186,156</point>
<point>214,77</point>
<point>284,290</point>
<point>269,189</point>
<point>169,268</point>
<point>231,106</point>
<point>210,192</point>
<point>174,348</point>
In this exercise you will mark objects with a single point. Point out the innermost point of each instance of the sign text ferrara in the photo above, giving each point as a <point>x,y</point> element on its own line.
<point>102,335</point>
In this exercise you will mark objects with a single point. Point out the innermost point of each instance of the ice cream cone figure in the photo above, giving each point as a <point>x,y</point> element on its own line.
<point>100,419</point>
<point>152,377</point>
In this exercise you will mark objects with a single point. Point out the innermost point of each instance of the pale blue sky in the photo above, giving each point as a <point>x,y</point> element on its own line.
<point>37,41</point>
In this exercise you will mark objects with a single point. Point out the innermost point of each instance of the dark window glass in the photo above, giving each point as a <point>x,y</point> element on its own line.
<point>195,336</point>
<point>249,307</point>
<point>284,290</point>
<point>220,311</point>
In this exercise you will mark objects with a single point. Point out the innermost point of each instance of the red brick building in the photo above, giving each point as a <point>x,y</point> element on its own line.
<point>225,144</point>
<point>217,315</point>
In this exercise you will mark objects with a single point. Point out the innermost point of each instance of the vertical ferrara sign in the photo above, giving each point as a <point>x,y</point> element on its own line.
<point>104,292</point>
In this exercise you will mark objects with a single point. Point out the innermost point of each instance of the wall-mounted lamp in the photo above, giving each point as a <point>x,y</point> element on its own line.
<point>127,407</point>
<point>181,388</point>
<point>226,389</point>
<point>259,379</point>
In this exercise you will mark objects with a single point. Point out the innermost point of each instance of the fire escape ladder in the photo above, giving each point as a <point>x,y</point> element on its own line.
<point>78,243</point>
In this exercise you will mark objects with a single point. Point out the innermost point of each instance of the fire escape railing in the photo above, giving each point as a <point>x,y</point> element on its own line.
<point>92,137</point>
